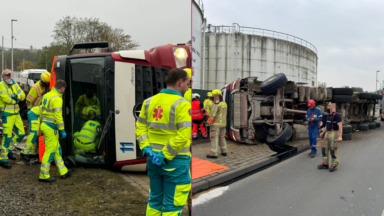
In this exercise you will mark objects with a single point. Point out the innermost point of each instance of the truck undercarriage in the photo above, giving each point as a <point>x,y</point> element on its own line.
<point>273,111</point>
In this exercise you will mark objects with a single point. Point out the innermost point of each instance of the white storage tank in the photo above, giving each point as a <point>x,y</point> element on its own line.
<point>197,24</point>
<point>233,52</point>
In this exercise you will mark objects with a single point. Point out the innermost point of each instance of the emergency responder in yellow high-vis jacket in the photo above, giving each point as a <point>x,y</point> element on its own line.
<point>10,95</point>
<point>87,109</point>
<point>88,99</point>
<point>50,127</point>
<point>218,122</point>
<point>30,148</point>
<point>163,131</point>
<point>38,90</point>
<point>208,101</point>
<point>188,94</point>
<point>87,139</point>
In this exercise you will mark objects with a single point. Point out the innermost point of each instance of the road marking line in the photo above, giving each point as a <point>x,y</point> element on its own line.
<point>208,196</point>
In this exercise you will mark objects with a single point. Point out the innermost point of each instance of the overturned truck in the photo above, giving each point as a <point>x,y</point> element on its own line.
<point>273,111</point>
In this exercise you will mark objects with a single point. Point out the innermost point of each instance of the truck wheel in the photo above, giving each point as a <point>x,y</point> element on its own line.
<point>362,127</point>
<point>376,96</point>
<point>347,136</point>
<point>282,137</point>
<point>273,83</point>
<point>342,98</point>
<point>372,125</point>
<point>347,129</point>
<point>365,95</point>
<point>378,124</point>
<point>342,91</point>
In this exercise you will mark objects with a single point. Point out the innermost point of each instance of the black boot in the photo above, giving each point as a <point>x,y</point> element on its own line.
<point>49,180</point>
<point>25,157</point>
<point>5,165</point>
<point>10,156</point>
<point>332,169</point>
<point>323,166</point>
<point>67,175</point>
<point>210,156</point>
<point>224,154</point>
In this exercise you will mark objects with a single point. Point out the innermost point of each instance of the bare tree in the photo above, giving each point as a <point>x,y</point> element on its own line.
<point>70,30</point>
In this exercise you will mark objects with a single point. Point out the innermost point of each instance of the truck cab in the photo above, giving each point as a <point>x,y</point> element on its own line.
<point>120,81</point>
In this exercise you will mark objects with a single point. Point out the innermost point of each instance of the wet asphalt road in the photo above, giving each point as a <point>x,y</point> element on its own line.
<point>297,187</point>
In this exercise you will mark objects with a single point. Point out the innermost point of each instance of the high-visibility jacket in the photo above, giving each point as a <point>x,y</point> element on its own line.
<point>9,106</point>
<point>89,108</point>
<point>207,102</point>
<point>188,95</point>
<point>52,109</point>
<point>90,131</point>
<point>219,114</point>
<point>37,110</point>
<point>35,95</point>
<point>164,126</point>
<point>83,101</point>
<point>198,111</point>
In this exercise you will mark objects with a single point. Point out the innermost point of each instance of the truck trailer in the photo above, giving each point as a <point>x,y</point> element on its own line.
<point>273,111</point>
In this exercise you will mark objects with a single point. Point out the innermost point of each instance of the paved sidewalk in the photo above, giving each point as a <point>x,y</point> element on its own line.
<point>241,159</point>
<point>141,182</point>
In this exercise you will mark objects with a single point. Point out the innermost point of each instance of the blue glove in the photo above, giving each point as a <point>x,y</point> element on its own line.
<point>63,134</point>
<point>11,96</point>
<point>156,160</point>
<point>15,96</point>
<point>162,158</point>
<point>150,154</point>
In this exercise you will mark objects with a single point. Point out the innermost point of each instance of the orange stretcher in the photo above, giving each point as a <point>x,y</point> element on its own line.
<point>202,168</point>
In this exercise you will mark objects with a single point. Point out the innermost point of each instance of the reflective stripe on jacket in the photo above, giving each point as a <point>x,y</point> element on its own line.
<point>219,114</point>
<point>35,95</point>
<point>164,125</point>
<point>89,132</point>
<point>197,110</point>
<point>9,106</point>
<point>52,109</point>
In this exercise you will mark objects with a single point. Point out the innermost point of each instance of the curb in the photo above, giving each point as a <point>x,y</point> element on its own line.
<point>212,182</point>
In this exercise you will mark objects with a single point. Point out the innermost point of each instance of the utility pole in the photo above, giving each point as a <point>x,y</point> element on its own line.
<point>376,80</point>
<point>12,43</point>
<point>2,54</point>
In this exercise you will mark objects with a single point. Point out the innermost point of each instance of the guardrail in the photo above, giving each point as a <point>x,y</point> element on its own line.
<point>236,28</point>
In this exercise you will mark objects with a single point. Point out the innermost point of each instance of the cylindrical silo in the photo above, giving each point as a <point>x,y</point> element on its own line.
<point>197,23</point>
<point>233,52</point>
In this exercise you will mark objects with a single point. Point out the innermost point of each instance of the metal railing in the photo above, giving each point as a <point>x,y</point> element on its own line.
<point>236,28</point>
<point>200,4</point>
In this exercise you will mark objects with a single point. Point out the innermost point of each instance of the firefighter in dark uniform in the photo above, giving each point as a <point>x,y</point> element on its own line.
<point>333,136</point>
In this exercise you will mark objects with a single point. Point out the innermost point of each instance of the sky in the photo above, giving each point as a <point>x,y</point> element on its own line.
<point>348,35</point>
<point>149,22</point>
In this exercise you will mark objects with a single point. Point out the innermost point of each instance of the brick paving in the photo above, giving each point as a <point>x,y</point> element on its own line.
<point>239,155</point>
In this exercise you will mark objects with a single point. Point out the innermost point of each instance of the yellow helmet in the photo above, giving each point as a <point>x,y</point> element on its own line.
<point>216,91</point>
<point>189,72</point>
<point>45,77</point>
<point>209,94</point>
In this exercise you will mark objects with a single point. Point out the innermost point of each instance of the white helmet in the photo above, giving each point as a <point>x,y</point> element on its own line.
<point>195,96</point>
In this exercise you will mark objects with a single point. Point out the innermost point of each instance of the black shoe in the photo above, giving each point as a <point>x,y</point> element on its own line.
<point>332,169</point>
<point>224,154</point>
<point>67,175</point>
<point>313,155</point>
<point>210,156</point>
<point>310,153</point>
<point>10,156</point>
<point>194,138</point>
<point>5,165</point>
<point>34,156</point>
<point>323,166</point>
<point>49,180</point>
<point>25,157</point>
